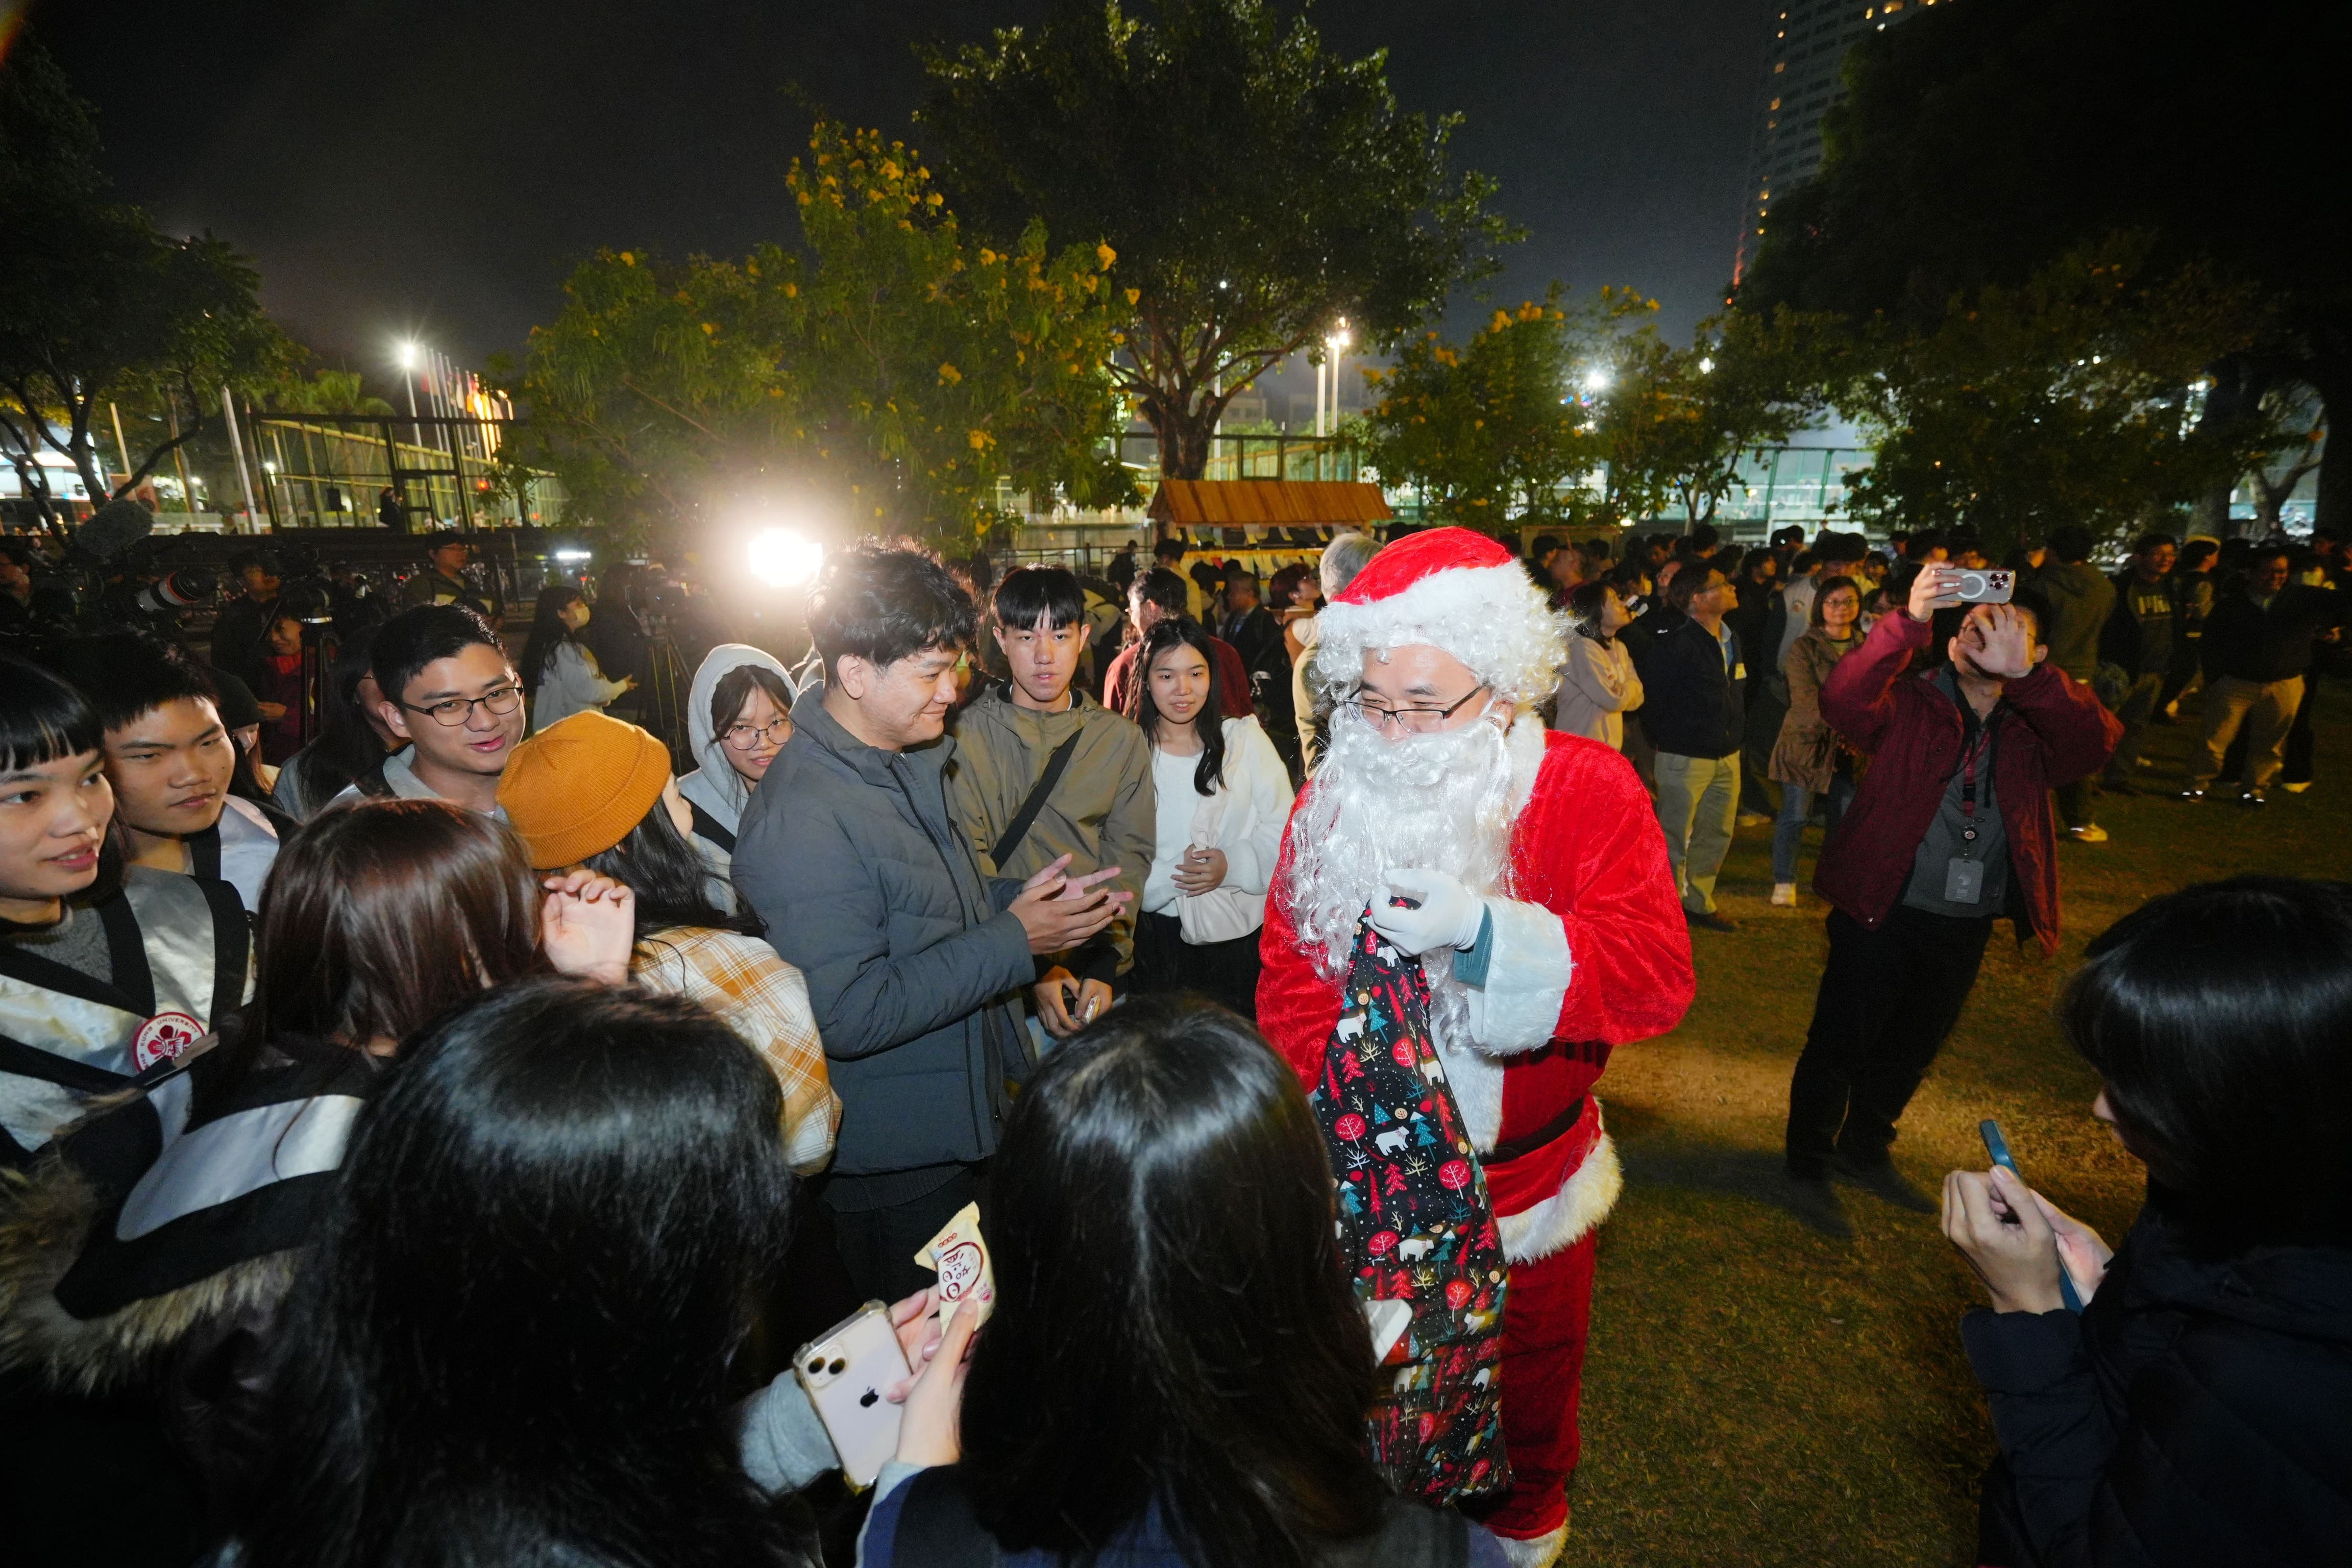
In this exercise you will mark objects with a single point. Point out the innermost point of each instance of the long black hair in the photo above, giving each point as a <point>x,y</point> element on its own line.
<point>548,631</point>
<point>669,877</point>
<point>1172,1321</point>
<point>1209,723</point>
<point>346,745</point>
<point>544,1249</point>
<point>2220,1017</point>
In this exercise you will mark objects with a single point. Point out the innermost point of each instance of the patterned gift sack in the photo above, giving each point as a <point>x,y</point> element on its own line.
<point>1417,1231</point>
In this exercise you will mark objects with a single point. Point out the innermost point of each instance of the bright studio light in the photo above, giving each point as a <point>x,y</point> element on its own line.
<point>784,559</point>
<point>408,356</point>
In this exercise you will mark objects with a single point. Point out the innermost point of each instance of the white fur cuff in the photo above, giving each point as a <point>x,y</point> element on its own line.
<point>1538,1552</point>
<point>1570,1214</point>
<point>1527,979</point>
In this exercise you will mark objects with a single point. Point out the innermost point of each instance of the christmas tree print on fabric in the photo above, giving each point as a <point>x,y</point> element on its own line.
<point>1415,1228</point>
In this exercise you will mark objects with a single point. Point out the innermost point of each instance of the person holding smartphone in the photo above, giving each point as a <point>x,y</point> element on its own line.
<point>2197,1413</point>
<point>1949,830</point>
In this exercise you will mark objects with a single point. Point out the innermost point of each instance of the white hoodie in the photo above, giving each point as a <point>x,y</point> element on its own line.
<point>715,785</point>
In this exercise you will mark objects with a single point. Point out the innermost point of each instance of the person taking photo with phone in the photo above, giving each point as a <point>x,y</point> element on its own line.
<point>2197,1413</point>
<point>1949,830</point>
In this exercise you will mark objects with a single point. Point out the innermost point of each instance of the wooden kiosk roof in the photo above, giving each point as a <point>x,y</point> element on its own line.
<point>1267,503</point>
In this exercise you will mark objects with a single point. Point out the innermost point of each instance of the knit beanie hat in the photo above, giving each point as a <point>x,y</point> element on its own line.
<point>577,787</point>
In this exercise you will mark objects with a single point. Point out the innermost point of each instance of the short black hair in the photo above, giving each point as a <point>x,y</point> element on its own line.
<point>2218,1016</point>
<point>1688,583</point>
<point>1543,544</point>
<point>126,675</point>
<point>42,717</point>
<point>883,602</point>
<point>2070,543</point>
<point>2148,542</point>
<point>1164,588</point>
<point>1040,598</point>
<point>1703,538</point>
<point>416,637</point>
<point>1168,549</point>
<point>1831,546</point>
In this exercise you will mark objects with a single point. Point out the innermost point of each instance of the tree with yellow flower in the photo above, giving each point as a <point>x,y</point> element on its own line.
<point>902,370</point>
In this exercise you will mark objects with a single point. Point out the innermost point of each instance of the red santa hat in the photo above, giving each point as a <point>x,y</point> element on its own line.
<point>1452,589</point>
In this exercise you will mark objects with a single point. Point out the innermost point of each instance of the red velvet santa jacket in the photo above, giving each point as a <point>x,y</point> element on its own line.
<point>2055,732</point>
<point>1596,955</point>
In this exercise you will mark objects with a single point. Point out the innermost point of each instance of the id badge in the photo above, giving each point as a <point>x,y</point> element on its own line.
<point>1963,881</point>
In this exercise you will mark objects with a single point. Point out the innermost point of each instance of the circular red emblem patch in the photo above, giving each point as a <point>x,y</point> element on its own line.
<point>1380,1241</point>
<point>161,1038</point>
<point>1349,1127</point>
<point>1457,1293</point>
<point>1455,1173</point>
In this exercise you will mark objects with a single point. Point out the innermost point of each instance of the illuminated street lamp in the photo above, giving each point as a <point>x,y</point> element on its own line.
<point>784,559</point>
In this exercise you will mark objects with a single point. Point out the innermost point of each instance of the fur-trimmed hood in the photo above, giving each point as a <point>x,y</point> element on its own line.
<point>45,1218</point>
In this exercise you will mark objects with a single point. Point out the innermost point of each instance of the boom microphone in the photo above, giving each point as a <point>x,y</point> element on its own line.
<point>113,528</point>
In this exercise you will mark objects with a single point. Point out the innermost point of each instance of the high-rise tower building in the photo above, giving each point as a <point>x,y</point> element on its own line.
<point>1803,77</point>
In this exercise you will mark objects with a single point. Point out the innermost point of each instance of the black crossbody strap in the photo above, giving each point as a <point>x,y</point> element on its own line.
<point>936,1527</point>
<point>1019,829</point>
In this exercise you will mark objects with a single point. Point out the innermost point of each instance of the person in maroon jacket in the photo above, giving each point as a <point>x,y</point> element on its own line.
<point>1950,830</point>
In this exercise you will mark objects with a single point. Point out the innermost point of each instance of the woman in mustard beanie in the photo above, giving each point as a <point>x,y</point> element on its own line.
<point>591,791</point>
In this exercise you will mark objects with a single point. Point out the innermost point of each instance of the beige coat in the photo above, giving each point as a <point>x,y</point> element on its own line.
<point>1806,752</point>
<point>1103,812</point>
<point>1597,687</point>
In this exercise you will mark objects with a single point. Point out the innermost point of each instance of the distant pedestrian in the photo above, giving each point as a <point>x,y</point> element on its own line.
<point>2138,641</point>
<point>2257,647</point>
<point>1807,761</point>
<point>1598,685</point>
<point>1693,680</point>
<point>2080,598</point>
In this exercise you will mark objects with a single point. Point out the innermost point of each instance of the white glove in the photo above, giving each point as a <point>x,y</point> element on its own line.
<point>1449,916</point>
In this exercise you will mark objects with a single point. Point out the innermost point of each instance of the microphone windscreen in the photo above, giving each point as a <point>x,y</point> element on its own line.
<point>113,528</point>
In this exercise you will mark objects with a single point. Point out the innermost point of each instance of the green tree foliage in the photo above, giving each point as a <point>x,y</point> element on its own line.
<point>2072,398</point>
<point>1257,189</point>
<point>1495,428</point>
<point>99,305</point>
<point>327,392</point>
<point>1980,142</point>
<point>897,367</point>
<point>1675,422</point>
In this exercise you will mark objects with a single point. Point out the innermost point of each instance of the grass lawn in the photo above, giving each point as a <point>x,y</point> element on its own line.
<point>1760,1391</point>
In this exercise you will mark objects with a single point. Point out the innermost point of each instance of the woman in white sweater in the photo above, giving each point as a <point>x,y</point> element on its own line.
<point>1224,796</point>
<point>559,670</point>
<point>1597,685</point>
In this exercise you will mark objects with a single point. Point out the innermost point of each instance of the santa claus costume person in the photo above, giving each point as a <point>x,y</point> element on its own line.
<point>1544,917</point>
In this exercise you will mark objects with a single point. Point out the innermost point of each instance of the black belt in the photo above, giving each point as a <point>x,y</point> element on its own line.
<point>1512,1148</point>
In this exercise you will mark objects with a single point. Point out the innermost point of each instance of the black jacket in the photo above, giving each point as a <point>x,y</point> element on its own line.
<point>2253,643</point>
<point>2121,641</point>
<point>2198,1415</point>
<point>1691,705</point>
<point>869,888</point>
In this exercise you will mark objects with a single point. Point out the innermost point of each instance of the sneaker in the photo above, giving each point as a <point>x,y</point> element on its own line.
<point>2192,794</point>
<point>1708,920</point>
<point>2296,788</point>
<point>2253,797</point>
<point>2089,833</point>
<point>1784,895</point>
<point>1807,1194</point>
<point>1752,818</point>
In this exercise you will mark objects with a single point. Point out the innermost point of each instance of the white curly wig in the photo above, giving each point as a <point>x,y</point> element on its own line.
<point>1452,589</point>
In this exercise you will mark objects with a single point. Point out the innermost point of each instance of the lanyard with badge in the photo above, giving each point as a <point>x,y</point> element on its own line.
<point>1964,872</point>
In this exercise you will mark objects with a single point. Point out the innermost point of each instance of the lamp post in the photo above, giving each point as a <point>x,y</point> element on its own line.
<point>1335,347</point>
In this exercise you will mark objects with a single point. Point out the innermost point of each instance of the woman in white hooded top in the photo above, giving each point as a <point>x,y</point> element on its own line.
<point>738,717</point>
<point>1223,796</point>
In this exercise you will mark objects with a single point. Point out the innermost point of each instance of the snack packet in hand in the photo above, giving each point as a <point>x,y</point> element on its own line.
<point>959,1258</point>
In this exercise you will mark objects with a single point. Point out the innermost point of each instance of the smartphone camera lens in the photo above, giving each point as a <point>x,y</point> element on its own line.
<point>838,1367</point>
<point>816,1365</point>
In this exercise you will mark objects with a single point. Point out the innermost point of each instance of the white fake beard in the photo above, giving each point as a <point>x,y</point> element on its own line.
<point>1439,802</point>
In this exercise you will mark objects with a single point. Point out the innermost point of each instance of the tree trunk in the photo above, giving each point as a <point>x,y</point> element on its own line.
<point>2331,376</point>
<point>2237,387</point>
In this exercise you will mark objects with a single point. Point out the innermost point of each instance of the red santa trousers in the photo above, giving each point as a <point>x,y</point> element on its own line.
<point>1545,1317</point>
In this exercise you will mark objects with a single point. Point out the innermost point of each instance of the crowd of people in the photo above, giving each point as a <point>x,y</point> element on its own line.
<point>427,1135</point>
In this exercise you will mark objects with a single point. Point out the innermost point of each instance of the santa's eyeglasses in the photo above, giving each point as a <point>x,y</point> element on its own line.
<point>1415,721</point>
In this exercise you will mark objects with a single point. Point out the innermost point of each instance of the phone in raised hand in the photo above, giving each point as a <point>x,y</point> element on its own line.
<point>1997,1147</point>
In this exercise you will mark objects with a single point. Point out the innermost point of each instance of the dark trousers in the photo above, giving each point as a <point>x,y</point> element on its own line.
<point>1887,1000</point>
<point>1768,705</point>
<point>878,1245</point>
<point>1224,972</point>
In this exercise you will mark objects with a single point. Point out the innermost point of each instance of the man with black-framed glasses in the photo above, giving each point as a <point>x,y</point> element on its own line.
<point>452,693</point>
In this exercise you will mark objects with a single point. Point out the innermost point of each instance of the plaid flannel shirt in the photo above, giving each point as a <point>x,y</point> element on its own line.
<point>764,1000</point>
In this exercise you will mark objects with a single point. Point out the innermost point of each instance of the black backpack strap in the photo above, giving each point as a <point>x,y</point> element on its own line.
<point>1019,829</point>
<point>936,1527</point>
<point>708,827</point>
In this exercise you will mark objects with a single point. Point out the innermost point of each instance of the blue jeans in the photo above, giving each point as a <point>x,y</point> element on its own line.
<point>1796,810</point>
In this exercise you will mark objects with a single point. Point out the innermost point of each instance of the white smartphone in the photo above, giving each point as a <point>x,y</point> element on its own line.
<point>844,1371</point>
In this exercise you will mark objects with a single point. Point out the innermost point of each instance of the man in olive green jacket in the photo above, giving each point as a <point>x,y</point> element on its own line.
<point>1102,811</point>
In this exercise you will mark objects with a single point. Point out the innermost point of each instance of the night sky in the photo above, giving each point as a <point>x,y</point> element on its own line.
<point>396,166</point>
